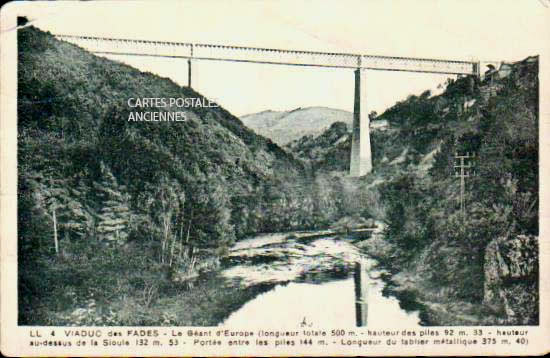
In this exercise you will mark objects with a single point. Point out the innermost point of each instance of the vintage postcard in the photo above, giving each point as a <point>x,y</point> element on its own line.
<point>274,178</point>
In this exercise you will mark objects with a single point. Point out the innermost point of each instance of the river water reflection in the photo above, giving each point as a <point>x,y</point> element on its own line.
<point>317,281</point>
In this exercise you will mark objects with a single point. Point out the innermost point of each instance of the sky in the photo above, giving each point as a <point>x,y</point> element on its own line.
<point>459,30</point>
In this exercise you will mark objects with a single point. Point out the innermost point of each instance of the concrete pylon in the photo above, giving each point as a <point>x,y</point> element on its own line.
<point>361,159</point>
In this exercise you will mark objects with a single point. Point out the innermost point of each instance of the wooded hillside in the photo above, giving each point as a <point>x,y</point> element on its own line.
<point>145,198</point>
<point>445,256</point>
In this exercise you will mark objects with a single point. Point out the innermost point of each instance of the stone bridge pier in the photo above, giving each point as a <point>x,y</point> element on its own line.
<point>361,158</point>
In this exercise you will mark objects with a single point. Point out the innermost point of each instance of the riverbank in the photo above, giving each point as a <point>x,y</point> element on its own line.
<point>206,301</point>
<point>142,293</point>
<point>209,301</point>
<point>98,285</point>
<point>415,292</point>
<point>101,286</point>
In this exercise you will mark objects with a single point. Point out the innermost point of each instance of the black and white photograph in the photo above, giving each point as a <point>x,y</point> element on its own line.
<point>338,178</point>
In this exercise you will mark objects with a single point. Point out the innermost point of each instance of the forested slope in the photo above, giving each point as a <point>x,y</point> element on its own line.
<point>107,205</point>
<point>449,261</point>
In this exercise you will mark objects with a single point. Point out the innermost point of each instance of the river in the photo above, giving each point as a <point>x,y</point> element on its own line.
<point>313,280</point>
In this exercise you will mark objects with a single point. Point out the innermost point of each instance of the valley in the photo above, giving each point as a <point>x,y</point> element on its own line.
<point>202,221</point>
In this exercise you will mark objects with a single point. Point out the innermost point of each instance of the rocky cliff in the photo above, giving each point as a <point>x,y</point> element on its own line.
<point>511,278</point>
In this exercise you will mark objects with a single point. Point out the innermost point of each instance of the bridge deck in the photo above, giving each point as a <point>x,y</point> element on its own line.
<point>195,51</point>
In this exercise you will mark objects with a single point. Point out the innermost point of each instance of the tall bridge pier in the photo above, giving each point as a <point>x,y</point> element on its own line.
<point>361,158</point>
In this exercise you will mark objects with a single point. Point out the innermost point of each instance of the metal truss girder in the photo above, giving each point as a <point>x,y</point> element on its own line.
<point>268,56</point>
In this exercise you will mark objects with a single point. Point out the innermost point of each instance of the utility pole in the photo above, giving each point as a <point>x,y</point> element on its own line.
<point>463,174</point>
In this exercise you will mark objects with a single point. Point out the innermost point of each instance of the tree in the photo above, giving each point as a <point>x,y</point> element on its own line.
<point>211,227</point>
<point>113,220</point>
<point>63,206</point>
<point>373,115</point>
<point>166,209</point>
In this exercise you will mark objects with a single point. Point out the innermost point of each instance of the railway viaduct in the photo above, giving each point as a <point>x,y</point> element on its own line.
<point>361,158</point>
